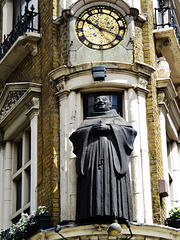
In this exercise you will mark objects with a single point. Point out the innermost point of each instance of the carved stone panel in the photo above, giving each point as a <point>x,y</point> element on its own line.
<point>11,100</point>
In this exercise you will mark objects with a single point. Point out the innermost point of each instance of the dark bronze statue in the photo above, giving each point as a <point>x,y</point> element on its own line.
<point>103,144</point>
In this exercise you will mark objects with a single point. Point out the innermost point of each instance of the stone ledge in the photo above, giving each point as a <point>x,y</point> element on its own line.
<point>99,231</point>
<point>19,50</point>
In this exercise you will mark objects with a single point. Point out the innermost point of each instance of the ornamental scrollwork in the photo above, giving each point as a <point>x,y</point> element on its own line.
<point>60,86</point>
<point>11,100</point>
<point>143,83</point>
<point>33,103</point>
<point>161,97</point>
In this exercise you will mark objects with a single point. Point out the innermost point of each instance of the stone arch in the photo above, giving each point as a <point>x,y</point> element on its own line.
<point>120,3</point>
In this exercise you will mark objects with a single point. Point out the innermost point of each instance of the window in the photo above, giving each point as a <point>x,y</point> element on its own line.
<point>18,160</point>
<point>89,99</point>
<point>12,10</point>
<point>21,174</point>
<point>18,10</point>
<point>170,171</point>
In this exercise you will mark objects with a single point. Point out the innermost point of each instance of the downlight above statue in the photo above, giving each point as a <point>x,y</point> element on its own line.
<point>102,145</point>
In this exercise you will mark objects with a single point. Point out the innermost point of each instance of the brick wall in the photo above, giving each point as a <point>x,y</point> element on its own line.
<point>36,69</point>
<point>138,43</point>
<point>52,53</point>
<point>153,120</point>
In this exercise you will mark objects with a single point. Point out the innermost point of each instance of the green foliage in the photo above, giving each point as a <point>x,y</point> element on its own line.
<point>42,210</point>
<point>174,213</point>
<point>26,226</point>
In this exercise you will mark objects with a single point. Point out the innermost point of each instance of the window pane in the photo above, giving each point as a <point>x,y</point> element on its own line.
<point>18,10</point>
<point>19,154</point>
<point>28,173</point>
<point>89,99</point>
<point>114,100</point>
<point>19,194</point>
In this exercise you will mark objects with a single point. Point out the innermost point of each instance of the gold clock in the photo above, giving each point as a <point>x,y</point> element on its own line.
<point>100,27</point>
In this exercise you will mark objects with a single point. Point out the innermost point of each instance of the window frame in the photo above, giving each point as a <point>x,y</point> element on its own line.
<point>96,94</point>
<point>23,173</point>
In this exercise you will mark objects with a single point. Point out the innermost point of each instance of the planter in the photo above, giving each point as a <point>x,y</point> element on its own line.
<point>177,222</point>
<point>43,221</point>
<point>173,223</point>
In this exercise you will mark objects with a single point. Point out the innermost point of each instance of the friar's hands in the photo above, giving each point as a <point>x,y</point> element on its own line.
<point>99,127</point>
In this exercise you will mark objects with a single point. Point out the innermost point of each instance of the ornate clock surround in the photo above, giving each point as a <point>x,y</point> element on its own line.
<point>121,51</point>
<point>100,27</point>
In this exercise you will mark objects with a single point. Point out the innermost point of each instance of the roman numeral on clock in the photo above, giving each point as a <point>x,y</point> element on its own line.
<point>79,29</point>
<point>90,45</point>
<point>82,38</point>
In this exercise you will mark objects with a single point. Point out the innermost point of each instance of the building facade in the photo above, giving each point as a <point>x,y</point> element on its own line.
<point>54,61</point>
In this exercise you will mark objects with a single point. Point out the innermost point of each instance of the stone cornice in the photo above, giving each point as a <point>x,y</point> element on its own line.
<point>128,75</point>
<point>99,231</point>
<point>137,68</point>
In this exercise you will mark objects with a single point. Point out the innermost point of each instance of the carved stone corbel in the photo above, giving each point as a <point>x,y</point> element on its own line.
<point>32,47</point>
<point>161,97</point>
<point>33,106</point>
<point>61,86</point>
<point>143,83</point>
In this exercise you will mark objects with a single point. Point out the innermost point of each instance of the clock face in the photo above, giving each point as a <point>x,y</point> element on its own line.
<point>100,27</point>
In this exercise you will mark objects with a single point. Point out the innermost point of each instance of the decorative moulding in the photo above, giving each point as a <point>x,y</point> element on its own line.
<point>139,74</point>
<point>18,97</point>
<point>99,231</point>
<point>120,3</point>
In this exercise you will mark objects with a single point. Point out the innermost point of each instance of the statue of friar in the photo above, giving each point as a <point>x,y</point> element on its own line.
<point>102,145</point>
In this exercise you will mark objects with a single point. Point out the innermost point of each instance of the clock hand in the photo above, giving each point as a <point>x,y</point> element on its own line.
<point>95,25</point>
<point>118,36</point>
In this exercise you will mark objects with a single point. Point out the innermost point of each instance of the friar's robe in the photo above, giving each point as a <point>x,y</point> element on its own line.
<point>102,162</point>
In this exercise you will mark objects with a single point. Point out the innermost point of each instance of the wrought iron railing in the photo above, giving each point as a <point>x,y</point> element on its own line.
<point>26,23</point>
<point>164,17</point>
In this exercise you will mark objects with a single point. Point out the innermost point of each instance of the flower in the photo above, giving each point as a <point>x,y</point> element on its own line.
<point>26,223</point>
<point>174,213</point>
<point>42,210</point>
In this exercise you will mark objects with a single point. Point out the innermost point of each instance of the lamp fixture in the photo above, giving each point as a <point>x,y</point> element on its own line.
<point>99,73</point>
<point>115,229</point>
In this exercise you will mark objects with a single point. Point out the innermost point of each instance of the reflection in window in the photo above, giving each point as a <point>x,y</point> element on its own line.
<point>19,154</point>
<point>18,193</point>
<point>18,10</point>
